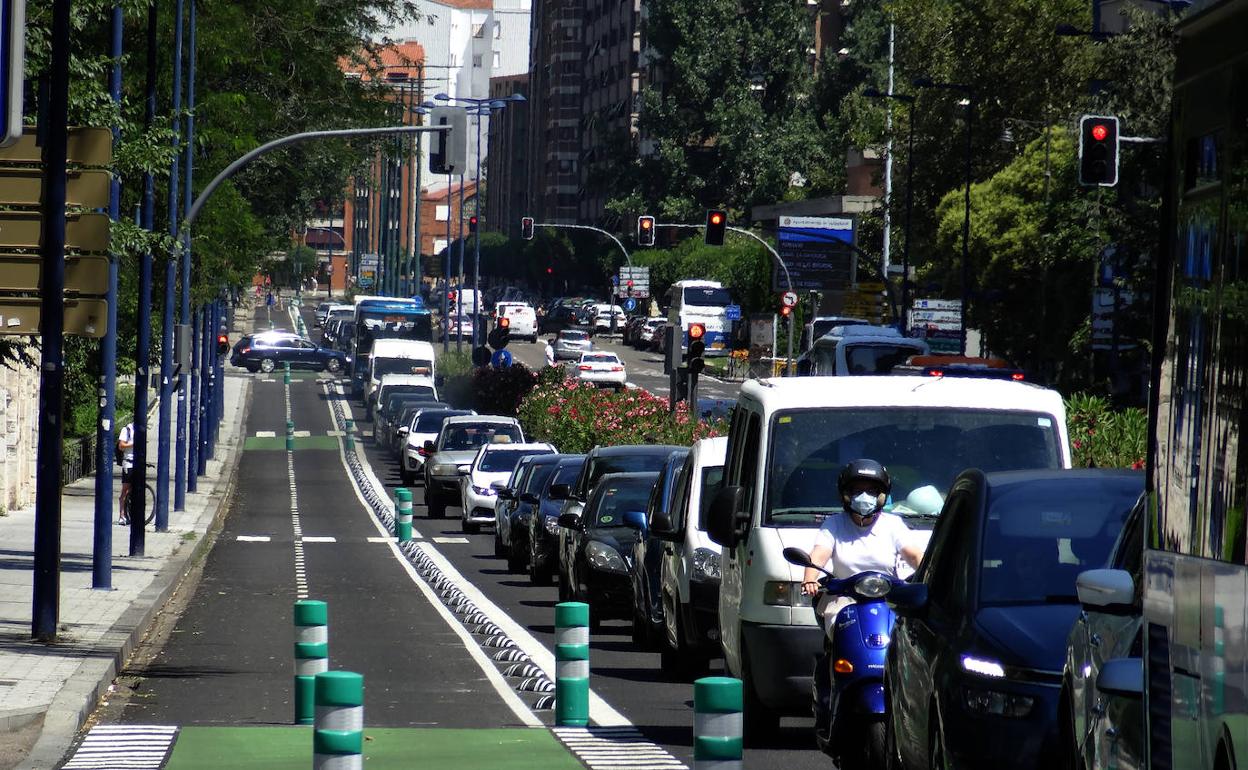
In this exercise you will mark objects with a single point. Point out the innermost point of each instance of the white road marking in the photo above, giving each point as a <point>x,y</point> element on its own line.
<point>302,433</point>
<point>123,746</point>
<point>335,433</point>
<point>254,538</point>
<point>450,540</point>
<point>608,748</point>
<point>266,434</point>
<point>319,539</point>
<point>380,539</point>
<point>301,575</point>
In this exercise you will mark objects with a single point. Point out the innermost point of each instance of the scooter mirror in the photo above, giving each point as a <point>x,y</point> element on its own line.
<point>797,556</point>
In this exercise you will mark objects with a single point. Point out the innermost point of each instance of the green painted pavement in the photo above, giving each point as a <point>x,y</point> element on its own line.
<point>301,442</point>
<point>290,748</point>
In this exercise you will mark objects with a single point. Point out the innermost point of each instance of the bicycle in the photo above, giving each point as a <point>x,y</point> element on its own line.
<point>149,501</point>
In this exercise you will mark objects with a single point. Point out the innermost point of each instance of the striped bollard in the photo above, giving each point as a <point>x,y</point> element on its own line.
<point>403,515</point>
<point>311,655</point>
<point>350,431</point>
<point>571,664</point>
<point>290,434</point>
<point>286,372</point>
<point>717,723</point>
<point>338,733</point>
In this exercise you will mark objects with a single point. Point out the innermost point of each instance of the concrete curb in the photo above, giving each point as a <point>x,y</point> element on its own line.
<point>84,689</point>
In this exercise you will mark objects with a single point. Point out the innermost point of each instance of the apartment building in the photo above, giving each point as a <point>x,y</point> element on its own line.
<point>506,192</point>
<point>555,107</point>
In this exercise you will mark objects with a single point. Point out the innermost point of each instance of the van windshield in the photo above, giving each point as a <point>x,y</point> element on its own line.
<point>417,366</point>
<point>924,448</point>
<point>707,296</point>
<point>877,358</point>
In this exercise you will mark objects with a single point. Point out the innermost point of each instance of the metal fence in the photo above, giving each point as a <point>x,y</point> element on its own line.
<point>78,459</point>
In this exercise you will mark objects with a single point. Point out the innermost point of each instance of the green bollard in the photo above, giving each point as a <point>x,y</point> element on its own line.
<point>311,655</point>
<point>338,733</point>
<point>571,664</point>
<point>403,515</point>
<point>290,435</point>
<point>717,723</point>
<point>350,433</point>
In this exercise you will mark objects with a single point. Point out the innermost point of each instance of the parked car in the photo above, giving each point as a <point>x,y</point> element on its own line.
<point>604,314</point>
<point>602,369</point>
<point>516,507</point>
<point>265,338</point>
<point>521,319</point>
<point>544,525</point>
<point>424,427</point>
<point>599,544</point>
<point>643,568</point>
<point>571,343</point>
<point>265,354</point>
<point>1098,729</point>
<point>975,662</point>
<point>493,464</point>
<point>448,457</point>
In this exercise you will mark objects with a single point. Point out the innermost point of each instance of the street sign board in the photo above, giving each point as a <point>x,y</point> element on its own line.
<point>939,321</point>
<point>24,187</point>
<point>732,313</point>
<point>818,252</point>
<point>633,281</point>
<point>788,299</point>
<point>83,317</point>
<point>84,274</point>
<point>938,304</point>
<point>12,69</point>
<point>87,147</point>
<point>83,232</point>
<point>630,305</point>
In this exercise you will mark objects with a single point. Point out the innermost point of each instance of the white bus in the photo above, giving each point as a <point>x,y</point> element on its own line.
<point>701,302</point>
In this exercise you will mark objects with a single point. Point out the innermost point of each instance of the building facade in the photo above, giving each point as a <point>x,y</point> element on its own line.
<point>555,78</point>
<point>506,189</point>
<point>610,97</point>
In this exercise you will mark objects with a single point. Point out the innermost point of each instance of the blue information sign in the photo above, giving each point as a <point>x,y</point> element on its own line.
<point>630,305</point>
<point>501,359</point>
<point>818,252</point>
<point>732,313</point>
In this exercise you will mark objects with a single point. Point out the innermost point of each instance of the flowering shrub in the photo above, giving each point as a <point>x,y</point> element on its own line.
<point>1103,438</point>
<point>576,417</point>
<point>489,390</point>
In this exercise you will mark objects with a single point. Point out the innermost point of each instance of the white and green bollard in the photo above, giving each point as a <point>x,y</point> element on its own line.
<point>311,654</point>
<point>349,430</point>
<point>290,435</point>
<point>717,723</point>
<point>571,664</point>
<point>403,514</point>
<point>286,369</point>
<point>338,733</point>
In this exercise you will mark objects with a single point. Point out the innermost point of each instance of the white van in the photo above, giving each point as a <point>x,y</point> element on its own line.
<point>522,319</point>
<point>401,383</point>
<point>397,356</point>
<point>788,441</point>
<point>690,566</point>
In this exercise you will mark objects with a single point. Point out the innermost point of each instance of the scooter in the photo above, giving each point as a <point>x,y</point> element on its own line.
<point>848,691</point>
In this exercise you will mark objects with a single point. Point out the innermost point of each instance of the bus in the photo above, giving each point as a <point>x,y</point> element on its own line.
<point>1195,573</point>
<point>384,317</point>
<point>703,302</point>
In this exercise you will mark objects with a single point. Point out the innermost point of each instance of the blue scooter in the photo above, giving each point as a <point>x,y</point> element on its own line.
<point>848,692</point>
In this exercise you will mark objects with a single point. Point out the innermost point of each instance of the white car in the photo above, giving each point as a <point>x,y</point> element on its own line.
<point>602,368</point>
<point>602,318</point>
<point>494,463</point>
<point>521,317</point>
<point>425,426</point>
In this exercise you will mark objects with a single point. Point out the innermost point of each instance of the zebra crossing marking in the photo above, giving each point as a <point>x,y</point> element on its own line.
<point>134,747</point>
<point>616,748</point>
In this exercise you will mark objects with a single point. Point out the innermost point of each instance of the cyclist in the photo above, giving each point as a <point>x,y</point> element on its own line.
<point>125,442</point>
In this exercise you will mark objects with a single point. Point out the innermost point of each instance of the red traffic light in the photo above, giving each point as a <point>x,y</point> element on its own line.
<point>786,311</point>
<point>472,224</point>
<point>222,339</point>
<point>450,295</point>
<point>549,270</point>
<point>697,331</point>
<point>1099,132</point>
<point>717,218</point>
<point>504,323</point>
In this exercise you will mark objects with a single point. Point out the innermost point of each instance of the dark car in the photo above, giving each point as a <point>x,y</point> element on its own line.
<point>600,544</point>
<point>544,524</point>
<point>643,570</point>
<point>265,354</point>
<point>263,338</point>
<point>566,317</point>
<point>625,458</point>
<point>975,663</point>
<point>386,418</point>
<point>516,507</point>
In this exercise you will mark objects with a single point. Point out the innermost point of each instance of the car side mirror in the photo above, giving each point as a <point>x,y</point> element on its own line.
<point>635,520</point>
<point>404,430</point>
<point>908,600</point>
<point>1106,590</point>
<point>723,515</point>
<point>1121,678</point>
<point>569,520</point>
<point>560,492</point>
<point>661,526</point>
<point>530,498</point>
<point>430,447</point>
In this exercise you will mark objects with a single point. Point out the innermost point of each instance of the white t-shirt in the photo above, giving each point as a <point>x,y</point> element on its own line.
<point>855,549</point>
<point>126,436</point>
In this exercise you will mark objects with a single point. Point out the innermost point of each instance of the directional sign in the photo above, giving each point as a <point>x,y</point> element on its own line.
<point>12,68</point>
<point>501,359</point>
<point>84,274</point>
<point>788,299</point>
<point>630,305</point>
<point>87,147</point>
<point>732,313</point>
<point>24,187</point>
<point>83,317</point>
<point>83,232</point>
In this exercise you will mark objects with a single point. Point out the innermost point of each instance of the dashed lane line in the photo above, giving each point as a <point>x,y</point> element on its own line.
<point>450,540</point>
<point>319,539</point>
<point>266,434</point>
<point>301,572</point>
<point>254,538</point>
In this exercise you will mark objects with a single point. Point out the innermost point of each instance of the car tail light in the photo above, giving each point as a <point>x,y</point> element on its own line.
<point>245,351</point>
<point>1017,376</point>
<point>585,367</point>
<point>617,368</point>
<point>935,373</point>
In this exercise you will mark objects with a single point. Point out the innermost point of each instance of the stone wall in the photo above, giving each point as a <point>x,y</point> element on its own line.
<point>19,404</point>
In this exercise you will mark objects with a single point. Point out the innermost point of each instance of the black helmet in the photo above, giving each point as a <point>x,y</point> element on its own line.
<point>863,470</point>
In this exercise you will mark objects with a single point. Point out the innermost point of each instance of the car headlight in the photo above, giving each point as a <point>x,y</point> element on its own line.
<point>995,703</point>
<point>551,524</point>
<point>484,491</point>
<point>872,587</point>
<point>783,593</point>
<point>983,666</point>
<point>603,557</point>
<point>705,565</point>
<point>444,469</point>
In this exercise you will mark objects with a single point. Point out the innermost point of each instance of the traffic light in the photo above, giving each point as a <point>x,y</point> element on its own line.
<point>716,224</point>
<point>223,344</point>
<point>526,228</point>
<point>500,335</point>
<point>697,346</point>
<point>1098,151</point>
<point>645,231</point>
<point>786,313</point>
<point>472,224</point>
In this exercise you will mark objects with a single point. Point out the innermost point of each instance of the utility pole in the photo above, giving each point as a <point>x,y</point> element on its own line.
<point>188,451</point>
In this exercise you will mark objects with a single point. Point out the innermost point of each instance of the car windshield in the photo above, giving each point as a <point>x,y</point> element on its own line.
<point>921,447</point>
<point>384,366</point>
<point>600,358</point>
<point>706,296</point>
<point>566,473</point>
<point>574,336</point>
<point>537,477</point>
<point>477,434</point>
<point>628,463</point>
<point>712,477</point>
<point>615,498</point>
<point>1038,537</point>
<point>431,422</point>
<point>504,460</point>
<point>877,359</point>
<point>395,391</point>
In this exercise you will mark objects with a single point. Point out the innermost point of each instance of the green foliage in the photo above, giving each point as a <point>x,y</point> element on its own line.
<point>1101,437</point>
<point>743,266</point>
<point>486,389</point>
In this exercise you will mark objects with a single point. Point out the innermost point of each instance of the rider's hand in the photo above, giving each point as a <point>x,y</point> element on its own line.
<point>810,588</point>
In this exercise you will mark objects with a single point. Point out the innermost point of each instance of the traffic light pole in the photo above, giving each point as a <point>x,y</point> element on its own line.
<point>599,230</point>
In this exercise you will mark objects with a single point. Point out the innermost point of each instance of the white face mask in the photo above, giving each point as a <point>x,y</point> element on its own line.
<point>864,504</point>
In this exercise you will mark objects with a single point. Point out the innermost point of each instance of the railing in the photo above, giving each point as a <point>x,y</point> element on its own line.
<point>78,459</point>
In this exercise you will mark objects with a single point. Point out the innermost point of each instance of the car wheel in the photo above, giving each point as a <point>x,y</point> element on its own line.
<point>499,551</point>
<point>1071,756</point>
<point>437,508</point>
<point>469,527</point>
<point>641,639</point>
<point>537,576</point>
<point>267,365</point>
<point>564,593</point>
<point>407,478</point>
<point>333,366</point>
<point>515,559</point>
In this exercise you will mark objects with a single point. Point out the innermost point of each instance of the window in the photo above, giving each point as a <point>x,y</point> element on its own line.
<point>680,495</point>
<point>439,245</point>
<point>498,31</point>
<point>476,60</point>
<point>454,60</point>
<point>497,59</point>
<point>478,30</point>
<point>441,214</point>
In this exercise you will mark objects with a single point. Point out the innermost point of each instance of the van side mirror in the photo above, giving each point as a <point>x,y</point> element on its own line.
<point>661,526</point>
<point>559,492</point>
<point>1121,678</point>
<point>724,516</point>
<point>569,520</point>
<point>635,520</point>
<point>1110,591</point>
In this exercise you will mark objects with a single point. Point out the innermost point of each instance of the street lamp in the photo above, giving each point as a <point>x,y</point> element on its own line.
<point>875,93</point>
<point>969,93</point>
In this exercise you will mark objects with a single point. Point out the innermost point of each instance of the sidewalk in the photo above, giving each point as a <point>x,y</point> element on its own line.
<point>47,691</point>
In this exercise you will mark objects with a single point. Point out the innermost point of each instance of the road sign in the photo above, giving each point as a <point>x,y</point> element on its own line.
<point>83,317</point>
<point>732,313</point>
<point>938,304</point>
<point>12,69</point>
<point>788,299</point>
<point>630,305</point>
<point>87,147</point>
<point>817,251</point>
<point>501,359</point>
<point>83,232</point>
<point>84,274</point>
<point>636,279</point>
<point>24,187</point>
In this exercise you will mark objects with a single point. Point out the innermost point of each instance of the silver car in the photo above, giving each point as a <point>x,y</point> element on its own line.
<point>449,457</point>
<point>571,343</point>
